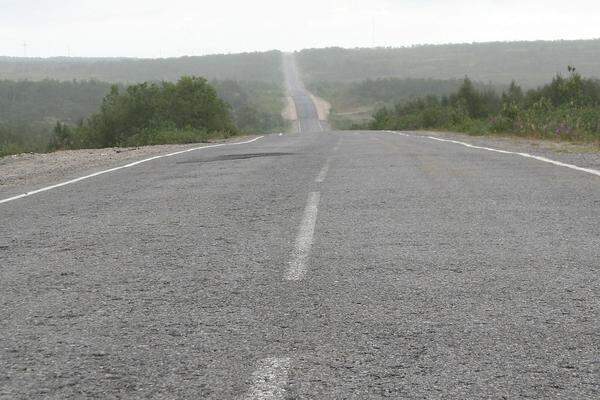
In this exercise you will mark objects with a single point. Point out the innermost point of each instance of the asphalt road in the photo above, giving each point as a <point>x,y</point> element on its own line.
<point>306,266</point>
<point>308,117</point>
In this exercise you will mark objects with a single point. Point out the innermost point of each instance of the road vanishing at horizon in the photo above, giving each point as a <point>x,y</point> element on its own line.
<point>314,265</point>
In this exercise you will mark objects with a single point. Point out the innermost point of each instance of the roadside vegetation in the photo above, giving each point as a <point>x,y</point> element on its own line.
<point>151,113</point>
<point>48,115</point>
<point>53,103</point>
<point>353,103</point>
<point>568,108</point>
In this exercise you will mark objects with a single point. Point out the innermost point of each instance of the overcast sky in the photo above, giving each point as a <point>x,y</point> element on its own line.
<point>154,28</point>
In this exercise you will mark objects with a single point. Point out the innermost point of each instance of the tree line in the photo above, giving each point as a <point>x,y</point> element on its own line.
<point>347,96</point>
<point>530,63</point>
<point>258,66</point>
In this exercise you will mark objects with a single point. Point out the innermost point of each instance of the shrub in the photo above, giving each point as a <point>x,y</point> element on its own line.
<point>566,108</point>
<point>151,113</point>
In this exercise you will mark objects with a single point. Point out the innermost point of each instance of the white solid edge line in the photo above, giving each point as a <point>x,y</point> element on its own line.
<point>324,171</point>
<point>133,164</point>
<point>270,379</point>
<point>527,155</point>
<point>297,267</point>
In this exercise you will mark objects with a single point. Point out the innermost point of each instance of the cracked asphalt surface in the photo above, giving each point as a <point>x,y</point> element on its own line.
<point>436,271</point>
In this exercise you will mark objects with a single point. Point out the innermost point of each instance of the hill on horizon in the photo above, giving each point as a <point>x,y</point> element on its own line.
<point>261,67</point>
<point>529,63</point>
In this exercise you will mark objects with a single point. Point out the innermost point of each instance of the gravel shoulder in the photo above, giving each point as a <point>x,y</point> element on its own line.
<point>580,154</point>
<point>323,107</point>
<point>32,169</point>
<point>289,113</point>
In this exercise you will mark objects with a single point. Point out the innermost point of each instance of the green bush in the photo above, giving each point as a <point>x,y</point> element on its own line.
<point>151,137</point>
<point>151,113</point>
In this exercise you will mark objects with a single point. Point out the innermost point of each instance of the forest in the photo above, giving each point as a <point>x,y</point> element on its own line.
<point>530,63</point>
<point>262,67</point>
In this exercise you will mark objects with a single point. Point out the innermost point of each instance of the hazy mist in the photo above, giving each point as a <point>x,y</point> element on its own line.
<point>153,28</point>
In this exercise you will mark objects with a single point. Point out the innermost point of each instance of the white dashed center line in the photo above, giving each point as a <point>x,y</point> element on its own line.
<point>270,379</point>
<point>297,267</point>
<point>324,171</point>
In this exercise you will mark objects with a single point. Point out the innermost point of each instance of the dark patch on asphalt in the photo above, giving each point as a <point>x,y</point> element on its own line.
<point>231,157</point>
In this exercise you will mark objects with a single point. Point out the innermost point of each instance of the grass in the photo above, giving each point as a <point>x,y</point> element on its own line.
<point>10,149</point>
<point>174,136</point>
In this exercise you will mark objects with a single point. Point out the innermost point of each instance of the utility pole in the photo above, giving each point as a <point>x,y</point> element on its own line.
<point>25,49</point>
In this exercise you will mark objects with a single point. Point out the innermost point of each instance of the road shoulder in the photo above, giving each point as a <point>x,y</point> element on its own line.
<point>32,169</point>
<point>582,155</point>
